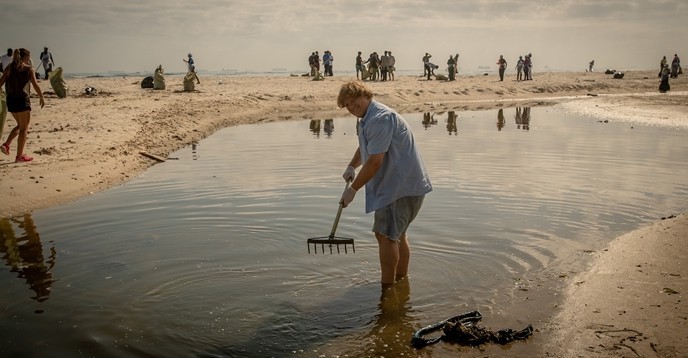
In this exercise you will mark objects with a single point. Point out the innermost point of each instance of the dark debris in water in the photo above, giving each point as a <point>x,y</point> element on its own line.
<point>464,330</point>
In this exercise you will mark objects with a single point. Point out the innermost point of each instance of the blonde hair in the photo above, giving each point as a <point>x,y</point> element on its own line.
<point>351,90</point>
<point>18,55</point>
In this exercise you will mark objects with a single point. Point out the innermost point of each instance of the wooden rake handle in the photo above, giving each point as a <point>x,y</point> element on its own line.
<point>339,213</point>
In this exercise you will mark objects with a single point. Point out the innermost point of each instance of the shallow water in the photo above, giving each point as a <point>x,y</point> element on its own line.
<point>206,255</point>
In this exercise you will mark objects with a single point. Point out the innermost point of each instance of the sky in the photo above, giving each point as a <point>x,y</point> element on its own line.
<point>97,36</point>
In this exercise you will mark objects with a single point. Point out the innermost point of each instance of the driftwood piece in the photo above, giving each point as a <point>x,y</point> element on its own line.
<point>153,156</point>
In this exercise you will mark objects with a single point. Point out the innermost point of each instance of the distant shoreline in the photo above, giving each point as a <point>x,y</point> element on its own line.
<point>337,72</point>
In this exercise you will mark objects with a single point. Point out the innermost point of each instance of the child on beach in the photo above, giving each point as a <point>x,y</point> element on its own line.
<point>17,75</point>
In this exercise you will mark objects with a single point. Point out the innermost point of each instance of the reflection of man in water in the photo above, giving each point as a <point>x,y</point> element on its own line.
<point>24,255</point>
<point>393,325</point>
<point>451,123</point>
<point>500,119</point>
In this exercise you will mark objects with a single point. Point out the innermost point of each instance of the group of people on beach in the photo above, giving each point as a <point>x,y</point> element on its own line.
<point>17,74</point>
<point>665,72</point>
<point>46,58</point>
<point>376,67</point>
<point>314,63</point>
<point>524,68</point>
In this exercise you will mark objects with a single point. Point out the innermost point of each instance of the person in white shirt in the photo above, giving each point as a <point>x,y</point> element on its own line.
<point>5,60</point>
<point>47,60</point>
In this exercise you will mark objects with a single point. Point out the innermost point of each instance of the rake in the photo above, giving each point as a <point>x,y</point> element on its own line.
<point>332,240</point>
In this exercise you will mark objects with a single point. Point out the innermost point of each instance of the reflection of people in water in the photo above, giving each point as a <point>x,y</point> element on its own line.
<point>329,127</point>
<point>500,119</point>
<point>315,127</point>
<point>525,118</point>
<point>451,123</point>
<point>24,255</point>
<point>522,118</point>
<point>428,119</point>
<point>393,325</point>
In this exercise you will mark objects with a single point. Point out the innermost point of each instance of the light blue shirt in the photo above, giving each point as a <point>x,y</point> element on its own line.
<point>403,172</point>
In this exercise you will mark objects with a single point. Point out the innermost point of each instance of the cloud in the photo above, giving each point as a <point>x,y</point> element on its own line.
<point>249,34</point>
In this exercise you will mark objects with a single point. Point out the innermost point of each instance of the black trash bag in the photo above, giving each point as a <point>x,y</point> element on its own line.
<point>147,82</point>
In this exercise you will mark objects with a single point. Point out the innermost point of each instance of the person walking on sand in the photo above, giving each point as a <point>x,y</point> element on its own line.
<point>675,66</point>
<point>590,65</point>
<point>327,62</point>
<point>426,65</point>
<point>519,68</point>
<point>191,67</point>
<point>384,63</point>
<point>527,68</point>
<point>373,66</point>
<point>47,61</point>
<point>316,62</point>
<point>502,67</point>
<point>359,65</point>
<point>530,67</point>
<point>662,63</point>
<point>311,64</point>
<point>451,67</point>
<point>16,77</point>
<point>392,62</point>
<point>664,84</point>
<point>393,173</point>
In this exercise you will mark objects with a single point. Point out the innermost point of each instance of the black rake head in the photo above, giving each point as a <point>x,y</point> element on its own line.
<point>330,242</point>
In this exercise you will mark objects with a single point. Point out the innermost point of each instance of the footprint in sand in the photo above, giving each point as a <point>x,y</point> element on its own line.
<point>456,92</point>
<point>465,92</point>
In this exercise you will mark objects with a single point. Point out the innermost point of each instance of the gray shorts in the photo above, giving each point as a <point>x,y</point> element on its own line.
<point>394,219</point>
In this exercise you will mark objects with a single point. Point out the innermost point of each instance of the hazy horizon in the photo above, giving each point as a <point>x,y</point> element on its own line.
<point>132,36</point>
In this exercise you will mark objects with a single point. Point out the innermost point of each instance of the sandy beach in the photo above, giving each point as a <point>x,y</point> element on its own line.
<point>629,302</point>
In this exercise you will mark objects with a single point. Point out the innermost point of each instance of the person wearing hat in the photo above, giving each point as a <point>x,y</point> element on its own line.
<point>47,61</point>
<point>191,67</point>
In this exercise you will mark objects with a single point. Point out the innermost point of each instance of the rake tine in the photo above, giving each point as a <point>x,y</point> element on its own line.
<point>332,240</point>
